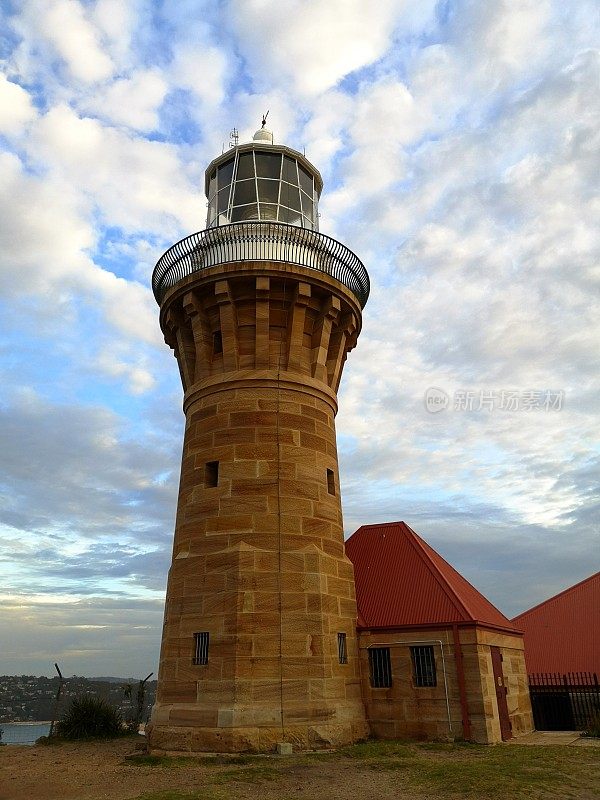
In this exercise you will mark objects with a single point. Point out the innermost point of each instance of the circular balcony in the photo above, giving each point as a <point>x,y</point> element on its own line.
<point>260,241</point>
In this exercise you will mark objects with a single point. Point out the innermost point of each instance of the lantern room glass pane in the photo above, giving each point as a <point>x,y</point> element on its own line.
<point>212,186</point>
<point>268,211</point>
<point>243,213</point>
<point>245,167</point>
<point>223,200</point>
<point>289,172</point>
<point>307,205</point>
<point>268,191</point>
<point>290,196</point>
<point>306,181</point>
<point>244,192</point>
<point>268,165</point>
<point>212,213</point>
<point>290,216</point>
<point>225,173</point>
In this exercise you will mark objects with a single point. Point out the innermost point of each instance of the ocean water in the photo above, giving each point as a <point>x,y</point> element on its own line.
<point>23,732</point>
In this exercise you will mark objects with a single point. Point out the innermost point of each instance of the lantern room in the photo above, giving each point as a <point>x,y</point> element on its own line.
<point>260,181</point>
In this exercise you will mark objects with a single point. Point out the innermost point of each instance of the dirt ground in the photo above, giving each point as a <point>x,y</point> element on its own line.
<point>118,770</point>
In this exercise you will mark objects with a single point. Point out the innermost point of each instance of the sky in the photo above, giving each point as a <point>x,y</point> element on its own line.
<point>458,141</point>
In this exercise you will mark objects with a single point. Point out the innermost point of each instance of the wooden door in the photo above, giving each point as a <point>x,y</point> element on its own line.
<point>501,691</point>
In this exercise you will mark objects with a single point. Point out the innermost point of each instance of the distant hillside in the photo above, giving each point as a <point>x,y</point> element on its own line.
<point>27,698</point>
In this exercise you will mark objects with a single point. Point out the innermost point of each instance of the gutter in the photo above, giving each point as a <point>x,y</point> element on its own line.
<point>462,689</point>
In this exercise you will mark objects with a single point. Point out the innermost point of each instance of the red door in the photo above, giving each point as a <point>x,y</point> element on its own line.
<point>501,690</point>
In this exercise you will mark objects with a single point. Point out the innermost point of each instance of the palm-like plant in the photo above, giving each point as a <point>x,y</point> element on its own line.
<point>90,717</point>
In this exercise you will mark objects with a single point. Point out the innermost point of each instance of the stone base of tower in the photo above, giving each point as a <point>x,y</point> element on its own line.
<point>302,735</point>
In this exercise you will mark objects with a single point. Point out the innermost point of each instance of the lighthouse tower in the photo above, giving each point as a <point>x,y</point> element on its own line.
<point>259,640</point>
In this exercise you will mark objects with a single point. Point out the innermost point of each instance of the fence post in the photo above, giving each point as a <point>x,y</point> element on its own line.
<point>58,694</point>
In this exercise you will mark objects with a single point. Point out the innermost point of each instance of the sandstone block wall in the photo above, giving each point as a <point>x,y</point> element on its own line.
<point>258,557</point>
<point>515,679</point>
<point>406,710</point>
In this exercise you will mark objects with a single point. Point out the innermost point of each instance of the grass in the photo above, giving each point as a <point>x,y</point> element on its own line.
<point>476,771</point>
<point>460,770</point>
<point>170,762</point>
<point>257,774</point>
<point>366,750</point>
<point>179,795</point>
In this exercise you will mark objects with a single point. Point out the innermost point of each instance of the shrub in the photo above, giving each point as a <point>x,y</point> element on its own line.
<point>90,717</point>
<point>594,726</point>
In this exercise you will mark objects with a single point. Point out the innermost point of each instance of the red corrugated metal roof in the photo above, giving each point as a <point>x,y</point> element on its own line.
<point>402,581</point>
<point>562,634</point>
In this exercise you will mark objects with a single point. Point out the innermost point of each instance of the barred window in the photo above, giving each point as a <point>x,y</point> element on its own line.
<point>423,661</point>
<point>380,667</point>
<point>342,651</point>
<point>201,648</point>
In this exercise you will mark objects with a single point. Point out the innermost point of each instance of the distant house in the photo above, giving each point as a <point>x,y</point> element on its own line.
<point>562,634</point>
<point>437,658</point>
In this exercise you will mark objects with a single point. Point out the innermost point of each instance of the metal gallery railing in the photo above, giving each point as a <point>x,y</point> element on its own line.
<point>260,241</point>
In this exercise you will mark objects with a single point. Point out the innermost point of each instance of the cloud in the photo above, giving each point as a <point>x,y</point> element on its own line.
<point>482,280</point>
<point>506,38</point>
<point>134,183</point>
<point>16,108</point>
<point>67,28</point>
<point>459,145</point>
<point>116,23</point>
<point>203,70</point>
<point>140,379</point>
<point>315,44</point>
<point>95,636</point>
<point>74,470</point>
<point>132,101</point>
<point>44,231</point>
<point>46,235</point>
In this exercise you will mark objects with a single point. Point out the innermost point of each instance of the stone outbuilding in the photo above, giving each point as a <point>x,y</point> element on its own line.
<point>438,660</point>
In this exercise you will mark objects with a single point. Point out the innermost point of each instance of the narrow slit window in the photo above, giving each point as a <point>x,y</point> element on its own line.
<point>200,648</point>
<point>342,650</point>
<point>217,343</point>
<point>423,660</point>
<point>330,481</point>
<point>211,474</point>
<point>380,667</point>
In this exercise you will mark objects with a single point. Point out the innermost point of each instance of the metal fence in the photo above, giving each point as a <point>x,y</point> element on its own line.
<point>564,702</point>
<point>260,241</point>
